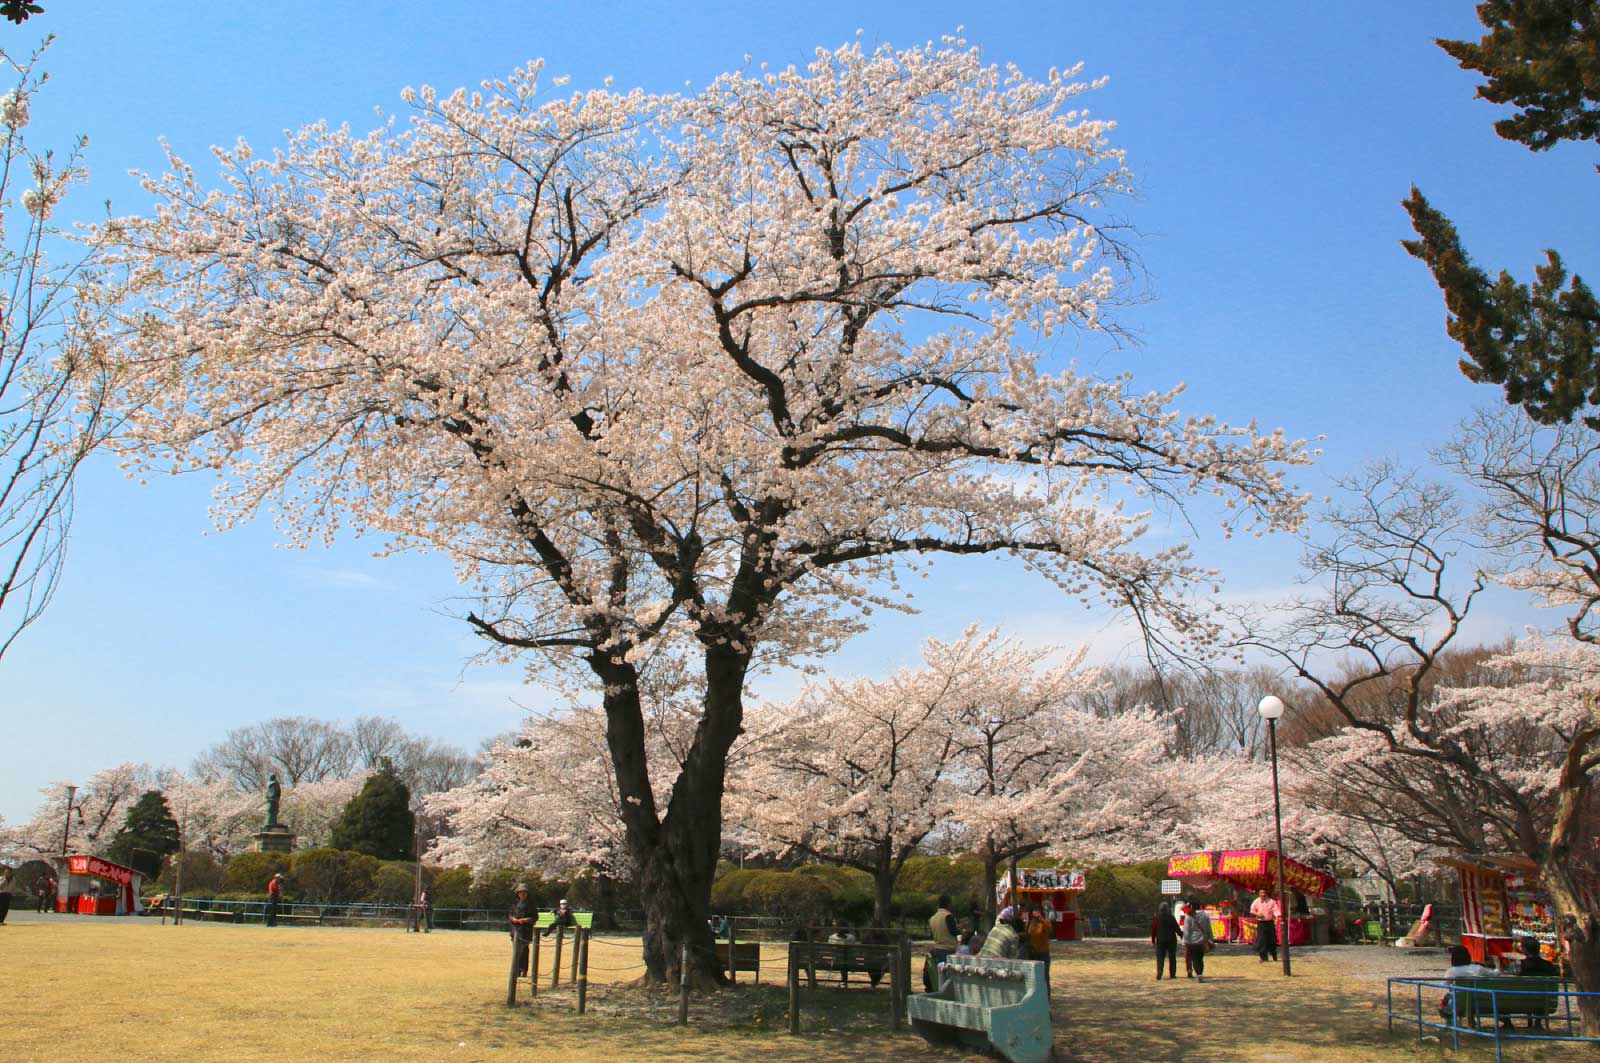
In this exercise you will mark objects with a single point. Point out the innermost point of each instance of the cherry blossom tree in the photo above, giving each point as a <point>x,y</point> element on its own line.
<point>99,807</point>
<point>1032,772</point>
<point>979,747</point>
<point>546,799</point>
<point>697,376</point>
<point>857,773</point>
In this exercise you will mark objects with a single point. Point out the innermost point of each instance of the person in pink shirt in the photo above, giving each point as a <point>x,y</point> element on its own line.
<point>1266,910</point>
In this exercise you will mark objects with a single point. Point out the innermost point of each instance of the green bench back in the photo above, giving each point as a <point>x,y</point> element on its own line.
<point>585,919</point>
<point>1512,995</point>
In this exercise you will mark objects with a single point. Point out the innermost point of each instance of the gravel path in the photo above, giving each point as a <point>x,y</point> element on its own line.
<point>1376,963</point>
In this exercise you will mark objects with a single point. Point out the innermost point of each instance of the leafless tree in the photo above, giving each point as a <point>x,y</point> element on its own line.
<point>297,748</point>
<point>302,749</point>
<point>1213,708</point>
<point>54,373</point>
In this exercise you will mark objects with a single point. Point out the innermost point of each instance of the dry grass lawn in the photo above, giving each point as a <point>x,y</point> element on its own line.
<point>134,990</point>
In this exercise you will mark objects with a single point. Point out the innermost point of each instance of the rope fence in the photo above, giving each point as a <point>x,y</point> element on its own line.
<point>538,966</point>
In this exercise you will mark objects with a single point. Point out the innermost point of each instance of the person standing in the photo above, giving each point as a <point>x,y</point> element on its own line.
<point>1164,936</point>
<point>41,891</point>
<point>1267,912</point>
<point>522,917</point>
<point>274,898</point>
<point>1197,940</point>
<point>1040,932</point>
<point>942,927</point>
<point>425,912</point>
<point>5,892</point>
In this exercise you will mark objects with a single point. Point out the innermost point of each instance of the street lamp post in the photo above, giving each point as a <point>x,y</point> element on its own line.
<point>66,829</point>
<point>1271,708</point>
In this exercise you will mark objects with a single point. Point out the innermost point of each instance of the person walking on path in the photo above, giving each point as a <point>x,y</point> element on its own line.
<point>1164,936</point>
<point>1267,912</point>
<point>5,892</point>
<point>522,917</point>
<point>274,898</point>
<point>1197,940</point>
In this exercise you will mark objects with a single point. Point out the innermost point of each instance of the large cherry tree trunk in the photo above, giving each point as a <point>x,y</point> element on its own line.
<point>1570,874</point>
<point>675,853</point>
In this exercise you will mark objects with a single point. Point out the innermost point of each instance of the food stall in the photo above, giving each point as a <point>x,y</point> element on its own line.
<point>93,886</point>
<point>1251,870</point>
<point>1502,901</point>
<point>1053,890</point>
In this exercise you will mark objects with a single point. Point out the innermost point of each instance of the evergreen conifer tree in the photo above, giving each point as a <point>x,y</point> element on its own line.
<point>1539,341</point>
<point>378,821</point>
<point>148,835</point>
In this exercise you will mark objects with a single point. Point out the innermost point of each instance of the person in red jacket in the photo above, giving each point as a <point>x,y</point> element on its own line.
<point>274,898</point>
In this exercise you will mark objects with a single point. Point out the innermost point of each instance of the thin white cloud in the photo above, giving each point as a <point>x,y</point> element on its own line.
<point>346,579</point>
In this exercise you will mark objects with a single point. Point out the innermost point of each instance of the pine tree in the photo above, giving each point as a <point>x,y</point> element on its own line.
<point>1538,341</point>
<point>378,821</point>
<point>148,835</point>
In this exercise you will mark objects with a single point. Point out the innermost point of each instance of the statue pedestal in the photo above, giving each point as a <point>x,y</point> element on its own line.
<point>279,839</point>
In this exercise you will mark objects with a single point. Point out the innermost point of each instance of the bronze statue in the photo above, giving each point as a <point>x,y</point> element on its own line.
<point>274,792</point>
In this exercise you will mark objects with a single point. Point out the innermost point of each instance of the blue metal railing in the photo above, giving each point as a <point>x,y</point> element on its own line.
<point>1464,1005</point>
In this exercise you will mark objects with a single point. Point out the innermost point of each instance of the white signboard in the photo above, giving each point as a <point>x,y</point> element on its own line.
<point>1171,887</point>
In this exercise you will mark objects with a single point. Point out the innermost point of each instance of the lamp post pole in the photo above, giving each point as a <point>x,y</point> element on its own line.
<point>66,829</point>
<point>1271,708</point>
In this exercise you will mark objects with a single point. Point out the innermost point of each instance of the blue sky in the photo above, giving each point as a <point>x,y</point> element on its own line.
<point>1271,143</point>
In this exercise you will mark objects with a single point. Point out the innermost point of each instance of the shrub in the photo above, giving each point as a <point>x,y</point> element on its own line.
<point>249,872</point>
<point>452,887</point>
<point>395,883</point>
<point>201,872</point>
<point>917,906</point>
<point>728,892</point>
<point>787,895</point>
<point>960,877</point>
<point>333,876</point>
<point>849,891</point>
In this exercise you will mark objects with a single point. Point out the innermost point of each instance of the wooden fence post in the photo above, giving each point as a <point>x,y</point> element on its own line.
<point>581,947</point>
<point>577,931</point>
<point>511,983</point>
<point>897,980</point>
<point>533,968</point>
<point>733,964</point>
<point>683,987</point>
<point>555,966</point>
<point>794,990</point>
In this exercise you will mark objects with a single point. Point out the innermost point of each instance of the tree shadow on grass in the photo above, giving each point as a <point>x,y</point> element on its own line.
<point>1108,1006</point>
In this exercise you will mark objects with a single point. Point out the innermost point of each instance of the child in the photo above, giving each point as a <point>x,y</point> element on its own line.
<point>964,944</point>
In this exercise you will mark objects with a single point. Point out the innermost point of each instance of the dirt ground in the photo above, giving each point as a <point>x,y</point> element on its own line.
<point>137,991</point>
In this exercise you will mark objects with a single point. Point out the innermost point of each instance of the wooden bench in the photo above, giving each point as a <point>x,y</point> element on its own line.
<point>232,915</point>
<point>987,1003</point>
<point>1483,998</point>
<point>296,918</point>
<point>746,956</point>
<point>869,958</point>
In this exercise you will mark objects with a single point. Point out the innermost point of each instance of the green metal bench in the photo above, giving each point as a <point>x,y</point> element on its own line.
<point>1484,998</point>
<point>987,1004</point>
